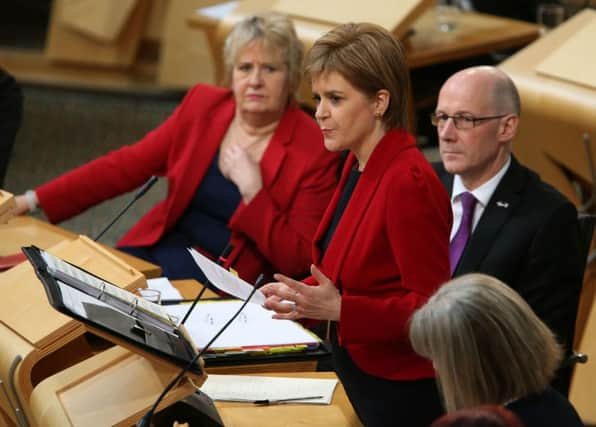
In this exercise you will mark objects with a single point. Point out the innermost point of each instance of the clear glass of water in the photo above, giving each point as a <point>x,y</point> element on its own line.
<point>152,295</point>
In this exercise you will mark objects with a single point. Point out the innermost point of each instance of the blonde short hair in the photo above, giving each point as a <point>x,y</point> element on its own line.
<point>485,342</point>
<point>370,58</point>
<point>277,33</point>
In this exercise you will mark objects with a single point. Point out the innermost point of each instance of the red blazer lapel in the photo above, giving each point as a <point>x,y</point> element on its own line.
<point>276,150</point>
<point>384,153</point>
<point>206,136</point>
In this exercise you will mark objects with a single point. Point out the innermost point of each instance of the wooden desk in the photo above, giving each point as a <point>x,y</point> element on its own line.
<point>26,230</point>
<point>236,414</point>
<point>86,391</point>
<point>475,34</point>
<point>555,113</point>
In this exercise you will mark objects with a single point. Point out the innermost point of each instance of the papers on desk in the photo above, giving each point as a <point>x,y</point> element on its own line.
<point>242,388</point>
<point>226,281</point>
<point>165,288</point>
<point>253,331</point>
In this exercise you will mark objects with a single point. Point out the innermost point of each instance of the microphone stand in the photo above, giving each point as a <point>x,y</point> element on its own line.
<point>146,420</point>
<point>150,182</point>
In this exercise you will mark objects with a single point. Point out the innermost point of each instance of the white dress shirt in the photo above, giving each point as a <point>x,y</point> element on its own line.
<point>482,195</point>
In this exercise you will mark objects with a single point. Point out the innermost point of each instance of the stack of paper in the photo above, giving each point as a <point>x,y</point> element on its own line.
<point>254,330</point>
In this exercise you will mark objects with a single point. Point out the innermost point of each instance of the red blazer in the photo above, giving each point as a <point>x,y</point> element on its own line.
<point>272,233</point>
<point>389,253</point>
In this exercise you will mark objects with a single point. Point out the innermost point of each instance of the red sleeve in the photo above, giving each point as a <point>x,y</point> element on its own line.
<point>115,173</point>
<point>284,236</point>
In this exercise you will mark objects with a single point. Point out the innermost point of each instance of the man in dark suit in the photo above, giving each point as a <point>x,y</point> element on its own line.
<point>521,230</point>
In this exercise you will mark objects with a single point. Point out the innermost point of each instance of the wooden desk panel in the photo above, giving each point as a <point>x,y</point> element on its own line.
<point>26,230</point>
<point>94,378</point>
<point>475,34</point>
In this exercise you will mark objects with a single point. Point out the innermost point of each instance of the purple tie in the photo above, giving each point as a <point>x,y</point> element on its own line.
<point>457,245</point>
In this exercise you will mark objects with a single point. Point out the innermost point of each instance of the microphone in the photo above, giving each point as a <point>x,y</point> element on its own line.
<point>146,420</point>
<point>221,260</point>
<point>140,193</point>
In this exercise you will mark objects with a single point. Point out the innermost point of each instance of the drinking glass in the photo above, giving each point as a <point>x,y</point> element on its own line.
<point>550,15</point>
<point>153,295</point>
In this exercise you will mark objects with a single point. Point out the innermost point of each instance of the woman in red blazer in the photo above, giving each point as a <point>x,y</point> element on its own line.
<point>245,166</point>
<point>381,248</point>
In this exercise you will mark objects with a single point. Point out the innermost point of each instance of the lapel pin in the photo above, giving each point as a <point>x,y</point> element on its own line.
<point>502,204</point>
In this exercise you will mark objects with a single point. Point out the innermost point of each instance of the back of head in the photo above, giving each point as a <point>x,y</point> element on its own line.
<point>276,32</point>
<point>370,58</point>
<point>485,342</point>
<point>481,416</point>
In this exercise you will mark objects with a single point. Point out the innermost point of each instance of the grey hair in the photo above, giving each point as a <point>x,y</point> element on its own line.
<point>277,33</point>
<point>485,342</point>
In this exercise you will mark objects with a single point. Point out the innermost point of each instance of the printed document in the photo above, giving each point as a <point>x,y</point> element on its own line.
<point>226,281</point>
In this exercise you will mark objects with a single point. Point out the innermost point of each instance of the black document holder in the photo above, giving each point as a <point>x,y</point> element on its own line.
<point>111,315</point>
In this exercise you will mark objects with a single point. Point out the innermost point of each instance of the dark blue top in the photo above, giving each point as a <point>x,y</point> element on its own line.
<point>547,409</point>
<point>205,221</point>
<point>204,224</point>
<point>346,194</point>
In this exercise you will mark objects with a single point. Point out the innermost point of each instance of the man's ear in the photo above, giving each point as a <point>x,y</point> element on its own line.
<point>381,101</point>
<point>508,127</point>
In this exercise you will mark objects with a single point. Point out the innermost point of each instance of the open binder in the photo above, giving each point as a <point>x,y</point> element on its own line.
<point>98,303</point>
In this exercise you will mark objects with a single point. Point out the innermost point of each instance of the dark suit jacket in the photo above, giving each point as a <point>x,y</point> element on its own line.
<point>547,409</point>
<point>529,237</point>
<point>388,255</point>
<point>11,110</point>
<point>272,233</point>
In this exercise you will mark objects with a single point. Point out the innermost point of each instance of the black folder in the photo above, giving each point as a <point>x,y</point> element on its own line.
<point>75,292</point>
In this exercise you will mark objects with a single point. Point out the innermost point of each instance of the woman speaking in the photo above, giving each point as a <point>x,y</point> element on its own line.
<point>381,248</point>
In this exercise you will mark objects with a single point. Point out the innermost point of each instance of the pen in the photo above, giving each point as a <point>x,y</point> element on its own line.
<point>265,402</point>
<point>175,301</point>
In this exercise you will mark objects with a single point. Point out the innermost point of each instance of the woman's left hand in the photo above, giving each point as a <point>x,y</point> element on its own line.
<point>242,170</point>
<point>291,299</point>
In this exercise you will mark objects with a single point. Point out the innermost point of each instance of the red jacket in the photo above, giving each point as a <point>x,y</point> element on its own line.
<point>272,233</point>
<point>389,253</point>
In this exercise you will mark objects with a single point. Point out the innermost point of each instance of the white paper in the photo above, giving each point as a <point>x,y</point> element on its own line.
<point>226,281</point>
<point>56,264</point>
<point>251,388</point>
<point>253,327</point>
<point>165,288</point>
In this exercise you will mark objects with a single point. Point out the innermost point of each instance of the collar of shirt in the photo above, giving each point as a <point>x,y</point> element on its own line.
<point>482,195</point>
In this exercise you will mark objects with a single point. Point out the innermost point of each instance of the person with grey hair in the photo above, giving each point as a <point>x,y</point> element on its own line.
<point>507,222</point>
<point>246,168</point>
<point>488,347</point>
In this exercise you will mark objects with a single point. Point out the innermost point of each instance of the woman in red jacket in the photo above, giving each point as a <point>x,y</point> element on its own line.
<point>245,167</point>
<point>382,247</point>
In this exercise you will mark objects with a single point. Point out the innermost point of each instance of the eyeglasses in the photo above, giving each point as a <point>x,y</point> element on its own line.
<point>461,121</point>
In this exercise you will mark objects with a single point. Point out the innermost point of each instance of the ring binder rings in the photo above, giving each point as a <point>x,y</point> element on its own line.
<point>88,298</point>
